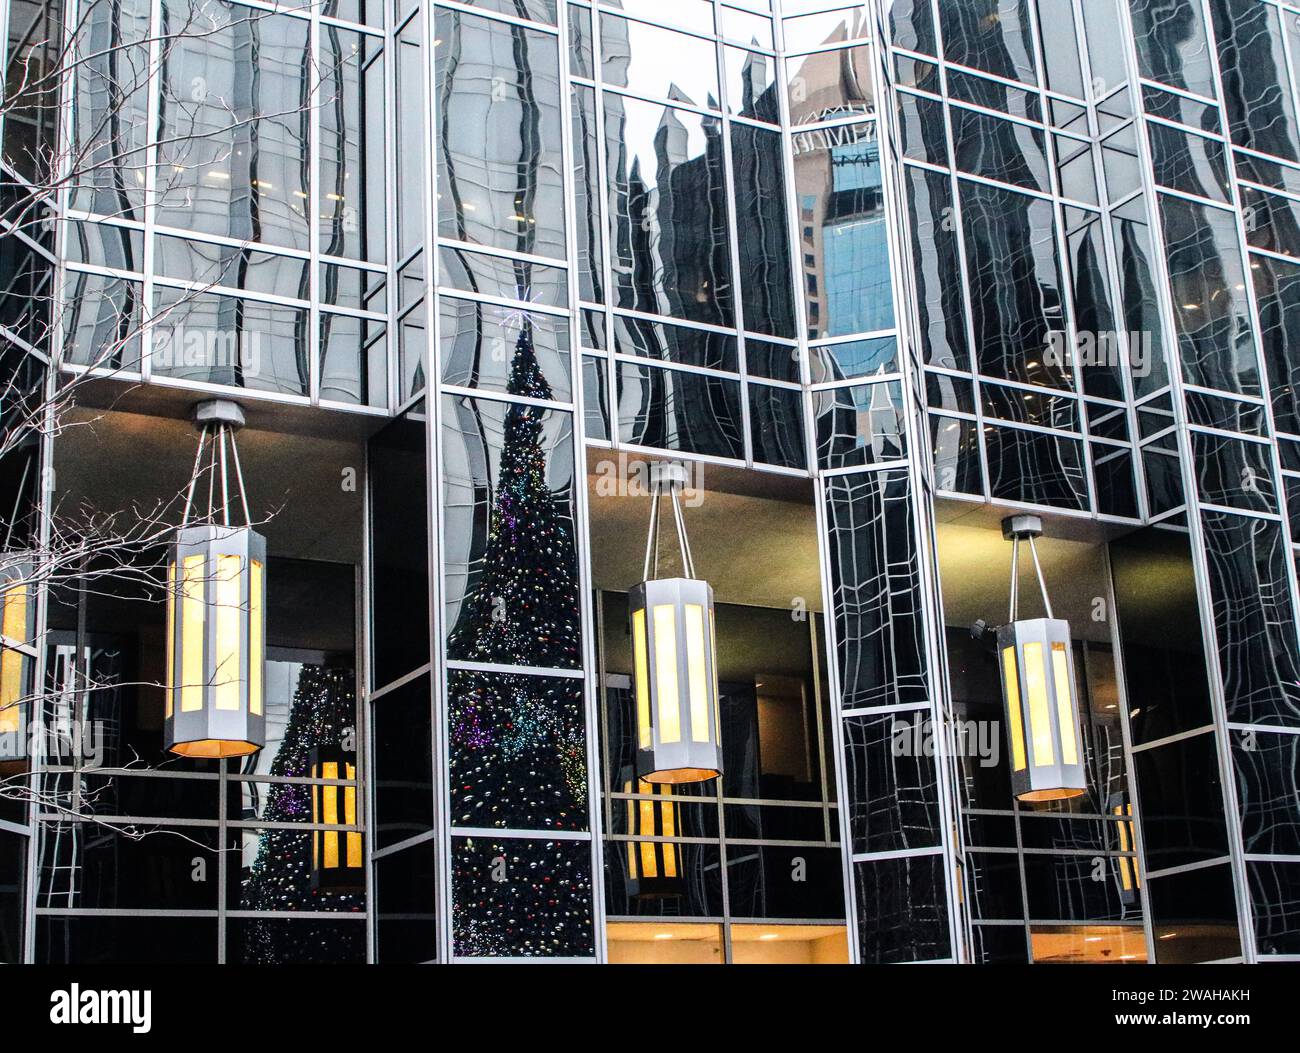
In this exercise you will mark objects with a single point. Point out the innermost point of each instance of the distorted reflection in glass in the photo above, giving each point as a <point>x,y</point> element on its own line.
<point>844,243</point>
<point>668,211</point>
<point>501,178</point>
<point>233,124</point>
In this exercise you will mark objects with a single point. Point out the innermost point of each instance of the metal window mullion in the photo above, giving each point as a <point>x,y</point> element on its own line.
<point>1245,922</point>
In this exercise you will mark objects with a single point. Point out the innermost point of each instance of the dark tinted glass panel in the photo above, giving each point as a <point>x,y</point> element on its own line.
<point>403,762</point>
<point>1210,307</point>
<point>668,211</point>
<point>399,566</point>
<point>517,898</point>
<point>405,919</point>
<point>1015,280</point>
<point>902,910</point>
<point>989,35</point>
<point>1256,89</point>
<point>672,409</point>
<point>875,582</point>
<point>936,269</point>
<point>518,751</point>
<point>767,289</point>
<point>508,529</point>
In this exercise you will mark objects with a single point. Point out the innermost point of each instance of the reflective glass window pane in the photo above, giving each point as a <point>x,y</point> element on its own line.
<point>1191,163</point>
<point>229,340</point>
<point>660,63</point>
<point>667,211</point>
<point>767,286</point>
<point>843,240</point>
<point>352,137</point>
<point>1171,44</point>
<point>1257,92</point>
<point>1015,281</point>
<point>673,409</point>
<point>1207,280</point>
<point>990,35</point>
<point>1007,151</point>
<point>501,180</point>
<point>830,85</point>
<point>506,349</point>
<point>508,531</point>
<point>233,124</point>
<point>751,85</point>
<point>828,27</point>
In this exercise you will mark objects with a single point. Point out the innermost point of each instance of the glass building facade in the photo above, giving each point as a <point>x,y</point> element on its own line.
<point>878,274</point>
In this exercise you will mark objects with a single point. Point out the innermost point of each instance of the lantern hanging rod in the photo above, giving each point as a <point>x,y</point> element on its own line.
<point>1025,528</point>
<point>670,476</point>
<point>217,420</point>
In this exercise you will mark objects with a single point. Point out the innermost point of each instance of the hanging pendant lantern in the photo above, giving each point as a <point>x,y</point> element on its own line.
<point>1039,690</point>
<point>675,677</point>
<point>336,864</point>
<point>216,608</point>
<point>654,868</point>
<point>17,655</point>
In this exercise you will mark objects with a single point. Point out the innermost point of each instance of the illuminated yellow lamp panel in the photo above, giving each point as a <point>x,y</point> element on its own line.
<point>172,600</point>
<point>642,680</point>
<point>256,639</point>
<point>226,671</point>
<point>193,617</point>
<point>1128,872</point>
<point>1040,721</point>
<point>713,681</point>
<point>1014,713</point>
<point>666,681</point>
<point>350,818</point>
<point>1088,944</point>
<point>668,828</point>
<point>649,866</point>
<point>11,662</point>
<point>325,810</point>
<point>1064,710</point>
<point>697,671</point>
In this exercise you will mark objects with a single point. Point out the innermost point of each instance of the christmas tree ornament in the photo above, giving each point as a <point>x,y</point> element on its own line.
<point>1039,689</point>
<point>216,606</point>
<point>674,657</point>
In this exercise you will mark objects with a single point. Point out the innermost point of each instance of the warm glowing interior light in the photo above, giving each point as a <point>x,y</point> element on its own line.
<point>192,631</point>
<point>1040,725</point>
<point>226,666</point>
<point>256,638</point>
<point>641,659</point>
<point>1013,708</point>
<point>171,636</point>
<point>670,714</point>
<point>11,662</point>
<point>697,671</point>
<point>1064,710</point>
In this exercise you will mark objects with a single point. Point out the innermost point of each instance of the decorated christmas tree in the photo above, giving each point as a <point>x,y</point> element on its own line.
<point>518,743</point>
<point>523,607</point>
<point>322,718</point>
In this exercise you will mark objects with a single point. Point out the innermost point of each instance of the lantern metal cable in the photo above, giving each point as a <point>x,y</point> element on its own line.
<point>1039,687</point>
<point>216,605</point>
<point>675,682</point>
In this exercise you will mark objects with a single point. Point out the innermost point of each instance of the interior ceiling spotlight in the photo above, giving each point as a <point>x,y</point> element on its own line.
<point>1039,690</point>
<point>674,648</point>
<point>216,605</point>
